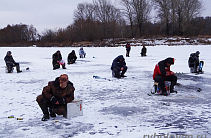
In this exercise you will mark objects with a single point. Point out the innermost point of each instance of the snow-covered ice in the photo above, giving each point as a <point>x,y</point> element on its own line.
<point>116,108</point>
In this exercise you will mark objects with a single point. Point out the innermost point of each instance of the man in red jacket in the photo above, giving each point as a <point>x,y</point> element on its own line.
<point>163,73</point>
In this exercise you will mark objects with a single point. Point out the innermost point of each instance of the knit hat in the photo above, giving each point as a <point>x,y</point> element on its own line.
<point>197,53</point>
<point>9,52</point>
<point>170,60</point>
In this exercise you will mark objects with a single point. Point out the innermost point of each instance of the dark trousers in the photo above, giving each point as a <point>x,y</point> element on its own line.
<point>57,66</point>
<point>160,79</point>
<point>118,73</point>
<point>127,53</point>
<point>10,66</point>
<point>45,104</point>
<point>143,54</point>
<point>71,61</point>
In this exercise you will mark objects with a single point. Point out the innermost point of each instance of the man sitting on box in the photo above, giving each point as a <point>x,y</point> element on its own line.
<point>55,96</point>
<point>163,73</point>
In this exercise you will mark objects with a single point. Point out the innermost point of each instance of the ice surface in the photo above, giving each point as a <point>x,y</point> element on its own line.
<point>111,108</point>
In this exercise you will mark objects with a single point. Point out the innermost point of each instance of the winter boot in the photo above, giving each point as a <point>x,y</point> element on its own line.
<point>116,73</point>
<point>63,66</point>
<point>18,68</point>
<point>45,117</point>
<point>10,69</point>
<point>122,75</point>
<point>44,109</point>
<point>65,114</point>
<point>172,87</point>
<point>19,71</point>
<point>52,114</point>
<point>163,89</point>
<point>164,92</point>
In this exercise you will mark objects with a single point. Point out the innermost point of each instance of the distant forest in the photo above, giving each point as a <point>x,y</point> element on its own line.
<point>100,20</point>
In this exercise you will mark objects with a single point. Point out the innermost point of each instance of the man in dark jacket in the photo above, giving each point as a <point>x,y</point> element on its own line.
<point>143,51</point>
<point>57,60</point>
<point>10,62</point>
<point>128,48</point>
<point>163,73</point>
<point>193,63</point>
<point>119,67</point>
<point>55,96</point>
<point>71,57</point>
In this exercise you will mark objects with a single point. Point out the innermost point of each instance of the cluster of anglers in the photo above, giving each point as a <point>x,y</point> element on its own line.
<point>58,93</point>
<point>71,58</point>
<point>56,60</point>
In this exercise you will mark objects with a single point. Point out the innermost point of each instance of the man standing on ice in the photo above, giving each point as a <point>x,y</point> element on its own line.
<point>10,62</point>
<point>57,60</point>
<point>119,67</point>
<point>55,96</point>
<point>162,73</point>
<point>128,48</point>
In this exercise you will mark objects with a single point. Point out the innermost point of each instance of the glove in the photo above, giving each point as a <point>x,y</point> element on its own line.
<point>53,100</point>
<point>169,73</point>
<point>62,101</point>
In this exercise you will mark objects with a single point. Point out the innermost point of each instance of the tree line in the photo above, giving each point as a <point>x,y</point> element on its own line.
<point>102,20</point>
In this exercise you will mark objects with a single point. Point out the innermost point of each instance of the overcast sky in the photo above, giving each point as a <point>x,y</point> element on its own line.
<point>49,14</point>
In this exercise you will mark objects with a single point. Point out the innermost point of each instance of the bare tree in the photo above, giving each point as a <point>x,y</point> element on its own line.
<point>177,13</point>
<point>84,11</point>
<point>108,15</point>
<point>163,10</point>
<point>141,10</point>
<point>127,11</point>
<point>186,11</point>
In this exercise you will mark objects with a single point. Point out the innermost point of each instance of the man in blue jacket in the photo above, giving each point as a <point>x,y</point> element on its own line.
<point>119,67</point>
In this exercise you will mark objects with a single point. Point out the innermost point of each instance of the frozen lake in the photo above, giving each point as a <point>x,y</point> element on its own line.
<point>117,108</point>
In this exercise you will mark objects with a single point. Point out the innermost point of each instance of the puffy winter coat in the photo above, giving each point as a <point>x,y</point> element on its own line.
<point>162,69</point>
<point>9,59</point>
<point>193,59</point>
<point>144,50</point>
<point>56,58</point>
<point>117,63</point>
<point>71,57</point>
<point>53,89</point>
<point>81,52</point>
<point>127,46</point>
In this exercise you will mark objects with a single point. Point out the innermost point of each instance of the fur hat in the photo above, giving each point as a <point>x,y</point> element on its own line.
<point>63,78</point>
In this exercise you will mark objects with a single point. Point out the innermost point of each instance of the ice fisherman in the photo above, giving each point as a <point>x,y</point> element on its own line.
<point>57,60</point>
<point>163,73</point>
<point>82,53</point>
<point>194,64</point>
<point>10,63</point>
<point>71,57</point>
<point>143,51</point>
<point>119,67</point>
<point>128,48</point>
<point>55,96</point>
